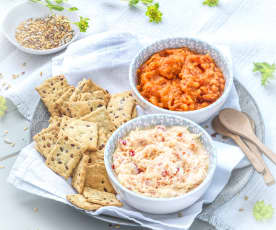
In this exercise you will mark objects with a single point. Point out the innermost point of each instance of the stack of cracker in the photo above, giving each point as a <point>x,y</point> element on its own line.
<point>82,120</point>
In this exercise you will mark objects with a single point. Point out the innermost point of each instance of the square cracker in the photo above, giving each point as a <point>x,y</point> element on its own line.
<point>87,86</point>
<point>51,90</point>
<point>105,125</point>
<point>84,132</point>
<point>46,140</point>
<point>95,156</point>
<point>97,178</point>
<point>79,174</point>
<point>102,198</point>
<point>81,202</point>
<point>120,107</point>
<point>65,156</point>
<point>61,103</point>
<point>81,108</point>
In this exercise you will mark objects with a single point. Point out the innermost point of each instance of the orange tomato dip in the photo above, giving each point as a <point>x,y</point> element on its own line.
<point>180,80</point>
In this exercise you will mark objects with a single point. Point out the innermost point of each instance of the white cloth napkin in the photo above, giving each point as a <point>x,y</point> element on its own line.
<point>30,173</point>
<point>105,58</point>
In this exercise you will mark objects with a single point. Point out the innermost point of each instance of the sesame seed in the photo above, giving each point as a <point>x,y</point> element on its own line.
<point>44,33</point>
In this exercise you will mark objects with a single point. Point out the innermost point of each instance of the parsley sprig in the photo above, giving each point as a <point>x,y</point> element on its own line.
<point>57,6</point>
<point>262,211</point>
<point>211,3</point>
<point>153,12</point>
<point>266,70</point>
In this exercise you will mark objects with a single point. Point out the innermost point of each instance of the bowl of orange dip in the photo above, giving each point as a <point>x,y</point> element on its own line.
<point>181,76</point>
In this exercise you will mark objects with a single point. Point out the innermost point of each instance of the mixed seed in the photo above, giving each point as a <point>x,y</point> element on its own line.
<point>44,33</point>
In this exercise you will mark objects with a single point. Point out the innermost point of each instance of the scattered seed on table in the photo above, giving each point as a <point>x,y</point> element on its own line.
<point>245,197</point>
<point>1,75</point>
<point>26,128</point>
<point>41,74</point>
<point>117,226</point>
<point>179,214</point>
<point>44,33</point>
<point>6,131</point>
<point>2,166</point>
<point>4,83</point>
<point>24,64</point>
<point>12,144</point>
<point>241,210</point>
<point>14,76</point>
<point>35,209</point>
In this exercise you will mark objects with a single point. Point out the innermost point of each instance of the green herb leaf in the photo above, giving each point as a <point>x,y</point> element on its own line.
<point>147,2</point>
<point>3,106</point>
<point>261,211</point>
<point>154,13</point>
<point>55,7</point>
<point>266,71</point>
<point>133,2</point>
<point>73,9</point>
<point>82,24</point>
<point>59,1</point>
<point>211,3</point>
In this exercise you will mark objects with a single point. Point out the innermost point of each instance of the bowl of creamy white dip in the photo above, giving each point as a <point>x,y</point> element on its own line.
<point>160,164</point>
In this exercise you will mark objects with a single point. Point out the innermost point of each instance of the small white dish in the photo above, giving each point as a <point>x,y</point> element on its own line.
<point>26,10</point>
<point>159,205</point>
<point>198,46</point>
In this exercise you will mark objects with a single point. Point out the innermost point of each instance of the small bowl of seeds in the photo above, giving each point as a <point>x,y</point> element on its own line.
<point>35,29</point>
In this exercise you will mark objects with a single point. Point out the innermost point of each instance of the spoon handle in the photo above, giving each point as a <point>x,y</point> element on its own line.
<point>268,177</point>
<point>258,165</point>
<point>262,147</point>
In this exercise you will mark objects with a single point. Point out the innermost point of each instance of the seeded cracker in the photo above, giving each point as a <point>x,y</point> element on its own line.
<point>120,108</point>
<point>102,198</point>
<point>84,132</point>
<point>134,113</point>
<point>65,156</point>
<point>95,156</point>
<point>81,108</point>
<point>79,174</point>
<point>51,90</point>
<point>61,103</point>
<point>80,201</point>
<point>105,125</point>
<point>97,178</point>
<point>87,86</point>
<point>46,140</point>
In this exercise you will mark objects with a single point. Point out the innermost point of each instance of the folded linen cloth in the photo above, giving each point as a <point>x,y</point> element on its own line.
<point>105,58</point>
<point>30,173</point>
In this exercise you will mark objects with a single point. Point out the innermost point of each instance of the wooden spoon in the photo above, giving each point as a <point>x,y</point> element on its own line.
<point>268,177</point>
<point>238,123</point>
<point>257,164</point>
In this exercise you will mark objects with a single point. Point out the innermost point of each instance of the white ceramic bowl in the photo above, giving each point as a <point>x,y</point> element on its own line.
<point>198,46</point>
<point>159,205</point>
<point>26,10</point>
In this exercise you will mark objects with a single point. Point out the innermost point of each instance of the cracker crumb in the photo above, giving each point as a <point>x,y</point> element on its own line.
<point>6,131</point>
<point>14,76</point>
<point>41,74</point>
<point>179,214</point>
<point>2,166</point>
<point>245,197</point>
<point>26,128</point>
<point>117,226</point>
<point>7,141</point>
<point>24,64</point>
<point>35,209</point>
<point>241,210</point>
